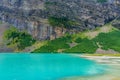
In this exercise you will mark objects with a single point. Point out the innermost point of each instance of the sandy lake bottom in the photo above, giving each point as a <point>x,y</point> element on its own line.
<point>112,72</point>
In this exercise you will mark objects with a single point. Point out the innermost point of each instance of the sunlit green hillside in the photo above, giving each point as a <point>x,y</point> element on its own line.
<point>105,39</point>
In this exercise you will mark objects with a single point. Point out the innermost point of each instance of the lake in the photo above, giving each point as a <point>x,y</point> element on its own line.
<point>46,67</point>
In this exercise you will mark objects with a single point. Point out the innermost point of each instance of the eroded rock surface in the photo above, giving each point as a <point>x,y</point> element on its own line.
<point>32,15</point>
<point>3,47</point>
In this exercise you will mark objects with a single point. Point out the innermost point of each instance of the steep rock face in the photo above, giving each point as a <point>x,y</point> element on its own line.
<point>116,23</point>
<point>3,47</point>
<point>88,13</point>
<point>32,15</point>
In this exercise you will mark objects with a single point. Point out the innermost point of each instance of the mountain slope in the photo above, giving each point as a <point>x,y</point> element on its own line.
<point>3,47</point>
<point>105,41</point>
<point>33,15</point>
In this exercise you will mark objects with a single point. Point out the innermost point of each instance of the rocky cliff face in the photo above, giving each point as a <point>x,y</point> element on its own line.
<point>32,15</point>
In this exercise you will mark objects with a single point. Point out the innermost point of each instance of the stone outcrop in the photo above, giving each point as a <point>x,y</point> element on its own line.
<point>32,15</point>
<point>3,47</point>
<point>116,23</point>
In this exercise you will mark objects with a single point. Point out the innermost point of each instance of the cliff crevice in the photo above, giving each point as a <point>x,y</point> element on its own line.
<point>32,15</point>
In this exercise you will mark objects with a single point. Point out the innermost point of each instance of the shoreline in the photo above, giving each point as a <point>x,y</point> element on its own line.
<point>112,72</point>
<point>98,55</point>
<point>101,55</point>
<point>105,59</point>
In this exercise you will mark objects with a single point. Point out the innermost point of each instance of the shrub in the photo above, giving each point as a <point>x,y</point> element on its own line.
<point>54,45</point>
<point>84,46</point>
<point>109,40</point>
<point>18,39</point>
<point>61,22</point>
<point>101,1</point>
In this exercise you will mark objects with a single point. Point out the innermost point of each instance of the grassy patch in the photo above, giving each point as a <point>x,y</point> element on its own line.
<point>93,33</point>
<point>61,22</point>
<point>109,40</point>
<point>55,45</point>
<point>84,46</point>
<point>107,37</point>
<point>101,1</point>
<point>0,22</point>
<point>50,3</point>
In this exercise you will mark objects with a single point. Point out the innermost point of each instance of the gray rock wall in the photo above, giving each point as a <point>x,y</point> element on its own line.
<point>32,15</point>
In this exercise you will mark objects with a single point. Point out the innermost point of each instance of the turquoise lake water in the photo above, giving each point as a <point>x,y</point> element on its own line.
<point>45,66</point>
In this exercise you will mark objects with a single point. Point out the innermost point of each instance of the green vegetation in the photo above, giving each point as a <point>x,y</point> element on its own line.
<point>84,46</point>
<point>17,39</point>
<point>101,1</point>
<point>55,45</point>
<point>109,40</point>
<point>50,3</point>
<point>61,22</point>
<point>0,22</point>
<point>104,40</point>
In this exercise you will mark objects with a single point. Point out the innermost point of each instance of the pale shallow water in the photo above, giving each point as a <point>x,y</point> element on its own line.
<point>112,70</point>
<point>47,67</point>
